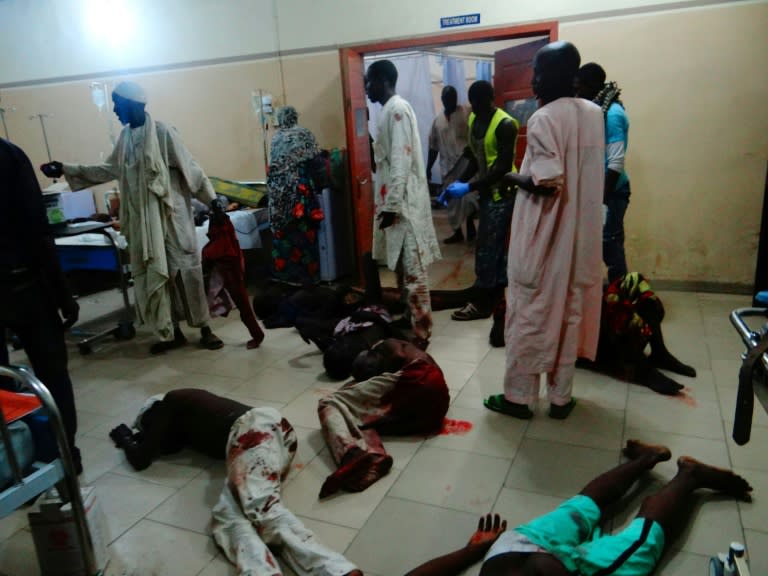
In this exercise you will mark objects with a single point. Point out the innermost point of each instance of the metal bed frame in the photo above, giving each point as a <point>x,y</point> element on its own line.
<point>60,472</point>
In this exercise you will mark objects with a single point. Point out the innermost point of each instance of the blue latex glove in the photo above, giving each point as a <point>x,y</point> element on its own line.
<point>457,189</point>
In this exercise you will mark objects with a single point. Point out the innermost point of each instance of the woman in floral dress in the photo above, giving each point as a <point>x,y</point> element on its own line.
<point>294,212</point>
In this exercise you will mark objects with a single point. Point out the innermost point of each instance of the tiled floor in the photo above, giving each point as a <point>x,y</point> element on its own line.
<point>429,503</point>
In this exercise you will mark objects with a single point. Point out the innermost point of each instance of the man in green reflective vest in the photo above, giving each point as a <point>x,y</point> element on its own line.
<point>491,151</point>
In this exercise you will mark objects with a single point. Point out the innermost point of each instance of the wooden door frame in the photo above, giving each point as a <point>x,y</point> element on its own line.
<point>549,28</point>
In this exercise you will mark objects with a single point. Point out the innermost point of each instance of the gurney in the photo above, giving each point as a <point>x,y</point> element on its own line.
<point>753,375</point>
<point>42,476</point>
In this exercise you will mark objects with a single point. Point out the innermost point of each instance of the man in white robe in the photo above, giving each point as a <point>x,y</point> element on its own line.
<point>555,247</point>
<point>158,178</point>
<point>404,235</point>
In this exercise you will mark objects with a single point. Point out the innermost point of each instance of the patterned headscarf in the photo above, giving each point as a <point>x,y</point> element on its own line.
<point>607,96</point>
<point>287,117</point>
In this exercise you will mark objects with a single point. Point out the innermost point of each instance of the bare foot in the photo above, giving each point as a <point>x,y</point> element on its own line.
<point>718,479</point>
<point>635,449</point>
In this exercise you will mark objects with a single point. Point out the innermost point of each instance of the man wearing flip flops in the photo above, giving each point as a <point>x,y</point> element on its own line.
<point>555,247</point>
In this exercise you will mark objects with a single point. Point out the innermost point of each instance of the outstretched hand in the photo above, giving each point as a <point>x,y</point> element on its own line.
<point>489,528</point>
<point>53,169</point>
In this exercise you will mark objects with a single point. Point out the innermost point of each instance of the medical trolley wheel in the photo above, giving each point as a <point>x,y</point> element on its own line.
<point>716,567</point>
<point>125,331</point>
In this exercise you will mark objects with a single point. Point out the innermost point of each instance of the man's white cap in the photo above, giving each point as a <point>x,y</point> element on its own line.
<point>131,91</point>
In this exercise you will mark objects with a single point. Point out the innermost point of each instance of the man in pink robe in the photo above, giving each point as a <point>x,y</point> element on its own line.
<point>555,248</point>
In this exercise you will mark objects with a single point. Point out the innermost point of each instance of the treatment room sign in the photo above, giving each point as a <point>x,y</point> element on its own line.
<point>465,20</point>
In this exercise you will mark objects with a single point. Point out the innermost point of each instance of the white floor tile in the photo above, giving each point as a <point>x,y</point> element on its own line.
<point>153,548</point>
<point>344,509</point>
<point>557,469</point>
<point>675,415</point>
<point>302,411</point>
<point>190,508</point>
<point>588,425</point>
<point>428,532</point>
<point>452,479</point>
<point>277,385</point>
<point>754,515</point>
<point>519,506</point>
<point>18,556</point>
<point>757,548</point>
<point>492,434</point>
<point>127,500</point>
<point>752,455</point>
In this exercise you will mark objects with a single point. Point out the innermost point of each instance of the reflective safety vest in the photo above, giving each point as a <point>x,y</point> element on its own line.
<point>490,146</point>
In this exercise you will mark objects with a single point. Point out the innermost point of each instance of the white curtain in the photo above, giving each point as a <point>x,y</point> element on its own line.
<point>483,71</point>
<point>455,75</point>
<point>415,85</point>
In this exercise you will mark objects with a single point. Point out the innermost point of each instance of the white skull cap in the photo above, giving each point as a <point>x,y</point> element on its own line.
<point>131,91</point>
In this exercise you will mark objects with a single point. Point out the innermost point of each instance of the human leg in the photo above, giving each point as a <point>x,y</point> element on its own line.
<point>416,290</point>
<point>613,233</point>
<point>40,330</point>
<point>559,388</point>
<point>610,486</point>
<point>262,446</point>
<point>358,451</point>
<point>234,283</point>
<point>672,504</point>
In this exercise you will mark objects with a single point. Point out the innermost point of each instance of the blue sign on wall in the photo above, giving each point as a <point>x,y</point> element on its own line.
<point>464,20</point>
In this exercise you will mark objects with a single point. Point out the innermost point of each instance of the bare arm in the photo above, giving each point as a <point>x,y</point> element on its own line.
<point>526,183</point>
<point>431,157</point>
<point>488,530</point>
<point>506,136</point>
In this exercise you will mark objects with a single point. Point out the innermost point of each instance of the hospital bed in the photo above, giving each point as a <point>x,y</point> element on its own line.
<point>42,476</point>
<point>96,246</point>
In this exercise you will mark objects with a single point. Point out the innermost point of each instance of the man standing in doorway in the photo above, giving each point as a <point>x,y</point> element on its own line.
<point>448,139</point>
<point>492,140</point>
<point>404,236</point>
<point>158,178</point>
<point>590,84</point>
<point>555,292</point>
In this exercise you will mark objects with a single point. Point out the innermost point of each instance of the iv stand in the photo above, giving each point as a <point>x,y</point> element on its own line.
<point>42,117</point>
<point>5,126</point>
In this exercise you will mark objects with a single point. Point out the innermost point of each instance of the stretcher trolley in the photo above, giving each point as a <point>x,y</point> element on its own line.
<point>753,375</point>
<point>39,477</point>
<point>91,256</point>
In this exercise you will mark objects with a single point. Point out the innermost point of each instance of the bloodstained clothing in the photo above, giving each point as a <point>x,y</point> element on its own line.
<point>250,521</point>
<point>411,401</point>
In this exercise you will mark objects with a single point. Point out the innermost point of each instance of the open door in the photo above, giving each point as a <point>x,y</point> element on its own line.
<point>512,86</point>
<point>356,116</point>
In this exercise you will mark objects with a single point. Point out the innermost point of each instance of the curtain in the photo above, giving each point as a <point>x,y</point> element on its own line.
<point>483,71</point>
<point>455,75</point>
<point>415,85</point>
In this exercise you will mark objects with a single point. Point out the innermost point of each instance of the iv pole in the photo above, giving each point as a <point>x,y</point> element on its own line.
<point>5,126</point>
<point>42,117</point>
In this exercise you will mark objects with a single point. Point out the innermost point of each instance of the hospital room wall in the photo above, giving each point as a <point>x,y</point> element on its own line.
<point>693,86</point>
<point>210,106</point>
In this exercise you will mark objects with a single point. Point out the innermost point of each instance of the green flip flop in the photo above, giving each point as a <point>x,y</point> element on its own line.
<point>498,403</point>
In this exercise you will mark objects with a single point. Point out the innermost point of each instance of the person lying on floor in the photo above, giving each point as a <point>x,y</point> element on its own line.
<point>398,390</point>
<point>630,322</point>
<point>566,542</point>
<point>259,445</point>
<point>342,339</point>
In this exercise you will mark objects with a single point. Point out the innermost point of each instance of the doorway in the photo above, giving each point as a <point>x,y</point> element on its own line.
<point>356,105</point>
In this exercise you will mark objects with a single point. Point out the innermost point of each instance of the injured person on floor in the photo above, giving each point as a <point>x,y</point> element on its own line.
<point>250,523</point>
<point>398,390</point>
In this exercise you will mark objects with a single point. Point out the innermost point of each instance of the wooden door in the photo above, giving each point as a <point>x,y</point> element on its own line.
<point>356,116</point>
<point>513,73</point>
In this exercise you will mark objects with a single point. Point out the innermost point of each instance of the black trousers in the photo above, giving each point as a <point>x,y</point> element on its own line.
<point>27,308</point>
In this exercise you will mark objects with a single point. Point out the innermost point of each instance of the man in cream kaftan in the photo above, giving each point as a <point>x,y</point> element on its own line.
<point>158,178</point>
<point>404,235</point>
<point>555,248</point>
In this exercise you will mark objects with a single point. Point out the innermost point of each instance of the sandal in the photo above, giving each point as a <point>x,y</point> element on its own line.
<point>209,340</point>
<point>561,412</point>
<point>469,312</point>
<point>498,403</point>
